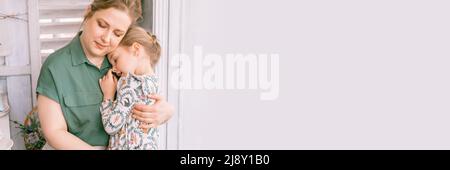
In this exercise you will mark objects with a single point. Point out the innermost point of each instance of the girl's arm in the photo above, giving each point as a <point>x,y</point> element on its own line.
<point>114,113</point>
<point>54,126</point>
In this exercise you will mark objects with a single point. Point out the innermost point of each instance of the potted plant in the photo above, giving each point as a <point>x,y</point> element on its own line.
<point>31,131</point>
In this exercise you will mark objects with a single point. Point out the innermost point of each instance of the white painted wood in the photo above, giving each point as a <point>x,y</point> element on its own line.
<point>54,40</point>
<point>57,13</point>
<point>167,26</point>
<point>19,95</point>
<point>53,44</point>
<point>14,70</point>
<point>63,4</point>
<point>63,7</point>
<point>160,27</point>
<point>2,60</point>
<point>60,27</point>
<point>4,126</point>
<point>18,85</point>
<point>59,21</point>
<point>4,117</point>
<point>5,39</point>
<point>176,15</point>
<point>5,48</point>
<point>34,45</point>
<point>4,51</point>
<point>2,85</point>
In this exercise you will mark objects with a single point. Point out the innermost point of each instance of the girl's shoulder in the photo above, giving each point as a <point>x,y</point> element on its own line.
<point>142,78</point>
<point>132,80</point>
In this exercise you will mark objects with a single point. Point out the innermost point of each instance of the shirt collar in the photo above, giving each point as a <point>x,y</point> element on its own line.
<point>78,56</point>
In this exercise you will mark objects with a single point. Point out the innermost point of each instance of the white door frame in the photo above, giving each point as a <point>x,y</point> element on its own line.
<point>34,46</point>
<point>167,26</point>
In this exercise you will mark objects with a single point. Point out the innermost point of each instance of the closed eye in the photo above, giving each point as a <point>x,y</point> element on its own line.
<point>119,32</point>
<point>102,23</point>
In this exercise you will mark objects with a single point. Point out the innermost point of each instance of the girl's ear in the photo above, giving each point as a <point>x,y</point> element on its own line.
<point>135,48</point>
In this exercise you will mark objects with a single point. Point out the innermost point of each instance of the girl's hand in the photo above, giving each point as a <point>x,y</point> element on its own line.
<point>108,85</point>
<point>154,115</point>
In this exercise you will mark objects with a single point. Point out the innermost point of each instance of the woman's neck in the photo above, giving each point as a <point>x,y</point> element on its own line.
<point>96,60</point>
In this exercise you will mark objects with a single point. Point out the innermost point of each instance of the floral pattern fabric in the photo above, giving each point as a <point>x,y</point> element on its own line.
<point>123,129</point>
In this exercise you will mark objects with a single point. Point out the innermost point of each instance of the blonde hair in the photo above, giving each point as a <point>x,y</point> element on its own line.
<point>146,39</point>
<point>132,7</point>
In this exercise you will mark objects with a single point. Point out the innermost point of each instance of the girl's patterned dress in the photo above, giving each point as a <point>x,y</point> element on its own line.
<point>123,129</point>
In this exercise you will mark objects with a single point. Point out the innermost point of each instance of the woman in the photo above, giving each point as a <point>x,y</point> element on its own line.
<point>69,95</point>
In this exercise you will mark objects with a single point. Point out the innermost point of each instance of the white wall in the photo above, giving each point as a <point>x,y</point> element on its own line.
<point>352,75</point>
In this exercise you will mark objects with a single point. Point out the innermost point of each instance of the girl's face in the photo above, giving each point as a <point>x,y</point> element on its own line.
<point>123,60</point>
<point>103,31</point>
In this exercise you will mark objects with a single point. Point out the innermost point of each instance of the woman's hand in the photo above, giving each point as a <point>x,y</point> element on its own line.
<point>108,84</point>
<point>154,115</point>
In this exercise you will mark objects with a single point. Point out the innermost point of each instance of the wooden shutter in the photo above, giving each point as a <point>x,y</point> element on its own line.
<point>59,21</point>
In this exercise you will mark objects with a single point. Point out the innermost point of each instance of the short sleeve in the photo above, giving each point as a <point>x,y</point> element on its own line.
<point>46,84</point>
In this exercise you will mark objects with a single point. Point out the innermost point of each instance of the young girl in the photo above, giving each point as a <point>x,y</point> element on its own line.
<point>134,61</point>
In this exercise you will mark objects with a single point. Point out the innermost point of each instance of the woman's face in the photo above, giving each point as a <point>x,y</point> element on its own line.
<point>123,60</point>
<point>103,31</point>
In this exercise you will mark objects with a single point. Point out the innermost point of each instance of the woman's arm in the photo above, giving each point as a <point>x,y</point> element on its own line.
<point>154,115</point>
<point>54,126</point>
